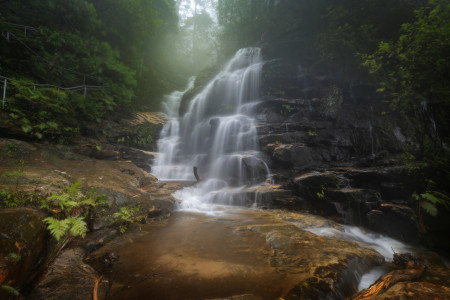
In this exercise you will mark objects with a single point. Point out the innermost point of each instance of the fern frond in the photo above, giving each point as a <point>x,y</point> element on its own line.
<point>429,208</point>
<point>430,197</point>
<point>88,201</point>
<point>57,227</point>
<point>74,188</point>
<point>78,226</point>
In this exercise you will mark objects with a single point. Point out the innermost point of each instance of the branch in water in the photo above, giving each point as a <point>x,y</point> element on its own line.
<point>195,174</point>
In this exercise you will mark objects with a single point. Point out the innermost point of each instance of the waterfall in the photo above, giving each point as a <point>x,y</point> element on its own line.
<point>165,167</point>
<point>217,135</point>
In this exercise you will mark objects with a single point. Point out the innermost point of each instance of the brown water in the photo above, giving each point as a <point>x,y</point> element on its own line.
<point>200,257</point>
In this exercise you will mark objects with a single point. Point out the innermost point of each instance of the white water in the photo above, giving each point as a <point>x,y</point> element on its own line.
<point>164,167</point>
<point>217,135</point>
<point>384,245</point>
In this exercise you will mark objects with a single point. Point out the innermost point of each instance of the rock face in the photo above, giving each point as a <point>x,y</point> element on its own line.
<point>58,283</point>
<point>23,250</point>
<point>330,144</point>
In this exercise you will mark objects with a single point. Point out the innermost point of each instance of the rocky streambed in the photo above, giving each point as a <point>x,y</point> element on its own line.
<point>235,253</point>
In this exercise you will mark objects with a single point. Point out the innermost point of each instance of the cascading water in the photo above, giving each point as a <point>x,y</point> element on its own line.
<point>217,135</point>
<point>165,167</point>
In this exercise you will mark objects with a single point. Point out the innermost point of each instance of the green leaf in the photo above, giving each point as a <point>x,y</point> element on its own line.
<point>78,226</point>
<point>429,208</point>
<point>10,290</point>
<point>57,227</point>
<point>52,125</point>
<point>26,128</point>
<point>430,197</point>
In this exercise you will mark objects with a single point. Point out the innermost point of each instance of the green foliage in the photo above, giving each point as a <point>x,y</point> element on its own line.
<point>412,75</point>
<point>76,226</point>
<point>312,133</point>
<point>57,228</point>
<point>321,34</point>
<point>73,211</point>
<point>13,257</point>
<point>412,71</point>
<point>127,217</point>
<point>321,194</point>
<point>10,290</point>
<point>10,193</point>
<point>430,200</point>
<point>141,137</point>
<point>285,108</point>
<point>99,43</point>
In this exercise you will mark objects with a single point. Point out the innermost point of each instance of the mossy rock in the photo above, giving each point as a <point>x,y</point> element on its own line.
<point>22,246</point>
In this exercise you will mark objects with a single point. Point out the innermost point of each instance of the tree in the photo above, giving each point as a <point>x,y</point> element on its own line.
<point>413,71</point>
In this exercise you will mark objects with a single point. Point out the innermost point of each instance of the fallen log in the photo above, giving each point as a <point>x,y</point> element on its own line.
<point>414,268</point>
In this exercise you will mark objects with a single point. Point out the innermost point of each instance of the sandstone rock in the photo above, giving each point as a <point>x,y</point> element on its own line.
<point>265,254</point>
<point>23,249</point>
<point>415,290</point>
<point>309,184</point>
<point>392,182</point>
<point>68,278</point>
<point>394,220</point>
<point>353,204</point>
<point>298,156</point>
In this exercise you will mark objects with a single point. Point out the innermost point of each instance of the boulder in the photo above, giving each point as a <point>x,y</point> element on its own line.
<point>68,278</point>
<point>353,204</point>
<point>309,184</point>
<point>297,156</point>
<point>23,248</point>
<point>415,290</point>
<point>395,220</point>
<point>392,182</point>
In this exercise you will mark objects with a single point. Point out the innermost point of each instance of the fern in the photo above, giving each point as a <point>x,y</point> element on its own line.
<point>429,208</point>
<point>58,228</point>
<point>78,226</point>
<point>73,206</point>
<point>430,197</point>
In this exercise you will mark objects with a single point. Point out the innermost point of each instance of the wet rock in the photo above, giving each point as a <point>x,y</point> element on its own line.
<point>261,253</point>
<point>272,195</point>
<point>46,171</point>
<point>16,149</point>
<point>353,204</point>
<point>158,212</point>
<point>140,158</point>
<point>239,297</point>
<point>97,239</point>
<point>138,130</point>
<point>415,290</point>
<point>392,182</point>
<point>93,149</point>
<point>23,249</point>
<point>298,156</point>
<point>68,278</point>
<point>335,281</point>
<point>309,184</point>
<point>335,277</point>
<point>398,221</point>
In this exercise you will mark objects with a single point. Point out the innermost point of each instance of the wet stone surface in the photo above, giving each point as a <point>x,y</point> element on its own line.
<point>243,254</point>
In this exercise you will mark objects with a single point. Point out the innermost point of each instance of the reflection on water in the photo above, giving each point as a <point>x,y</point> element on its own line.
<point>199,257</point>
